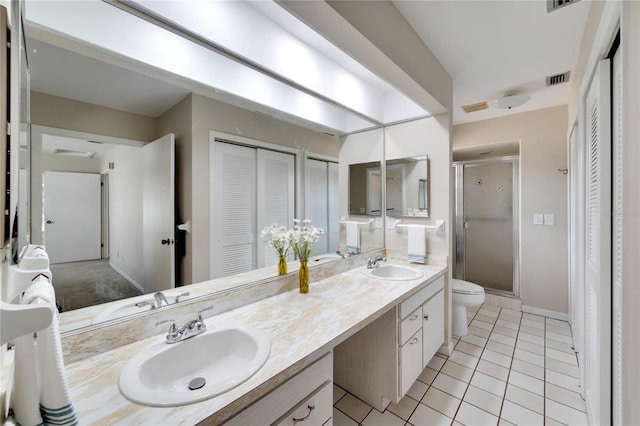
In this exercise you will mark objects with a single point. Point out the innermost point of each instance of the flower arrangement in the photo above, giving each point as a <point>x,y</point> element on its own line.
<point>303,237</point>
<point>278,238</point>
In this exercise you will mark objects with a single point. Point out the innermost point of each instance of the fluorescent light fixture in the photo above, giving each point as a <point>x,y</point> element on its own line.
<point>509,101</point>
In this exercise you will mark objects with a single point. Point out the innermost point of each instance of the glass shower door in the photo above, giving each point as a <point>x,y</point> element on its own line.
<point>488,224</point>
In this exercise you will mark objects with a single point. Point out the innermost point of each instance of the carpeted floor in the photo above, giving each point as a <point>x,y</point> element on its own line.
<point>82,284</point>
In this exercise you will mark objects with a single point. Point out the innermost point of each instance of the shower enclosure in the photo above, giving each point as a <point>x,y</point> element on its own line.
<point>487,224</point>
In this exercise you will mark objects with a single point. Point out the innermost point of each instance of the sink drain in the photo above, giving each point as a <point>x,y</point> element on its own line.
<point>197,383</point>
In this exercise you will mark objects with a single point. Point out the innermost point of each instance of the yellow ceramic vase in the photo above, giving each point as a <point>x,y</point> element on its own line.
<point>282,265</point>
<point>304,276</point>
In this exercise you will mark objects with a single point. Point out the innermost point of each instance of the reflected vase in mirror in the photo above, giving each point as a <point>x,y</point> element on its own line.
<point>278,237</point>
<point>302,239</point>
<point>282,265</point>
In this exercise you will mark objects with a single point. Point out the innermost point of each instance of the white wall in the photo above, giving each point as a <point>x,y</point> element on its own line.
<point>125,211</point>
<point>362,147</point>
<point>543,189</point>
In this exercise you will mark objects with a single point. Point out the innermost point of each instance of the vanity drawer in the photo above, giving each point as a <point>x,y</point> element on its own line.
<point>410,325</point>
<point>314,411</point>
<point>410,362</point>
<point>415,301</point>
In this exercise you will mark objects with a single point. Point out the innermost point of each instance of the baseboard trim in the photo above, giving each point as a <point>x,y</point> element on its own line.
<point>545,313</point>
<point>127,277</point>
<point>446,349</point>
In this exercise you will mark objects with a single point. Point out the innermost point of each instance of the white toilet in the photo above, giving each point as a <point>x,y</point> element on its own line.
<point>465,294</point>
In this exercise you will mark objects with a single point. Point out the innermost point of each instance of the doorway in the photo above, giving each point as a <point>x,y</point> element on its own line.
<point>487,226</point>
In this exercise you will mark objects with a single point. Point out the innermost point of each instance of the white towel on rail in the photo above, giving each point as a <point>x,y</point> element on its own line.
<point>417,243</point>
<point>48,366</point>
<point>353,237</point>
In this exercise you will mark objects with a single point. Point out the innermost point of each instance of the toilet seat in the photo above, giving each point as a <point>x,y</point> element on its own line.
<point>465,287</point>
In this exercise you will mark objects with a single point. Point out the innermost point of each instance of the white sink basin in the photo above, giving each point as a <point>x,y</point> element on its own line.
<point>222,358</point>
<point>392,272</point>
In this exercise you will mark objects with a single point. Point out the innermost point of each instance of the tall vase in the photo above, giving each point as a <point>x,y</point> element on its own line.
<point>282,265</point>
<point>304,276</point>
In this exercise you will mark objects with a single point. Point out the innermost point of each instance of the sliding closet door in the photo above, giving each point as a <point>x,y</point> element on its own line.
<point>233,209</point>
<point>275,197</point>
<point>333,228</point>
<point>598,246</point>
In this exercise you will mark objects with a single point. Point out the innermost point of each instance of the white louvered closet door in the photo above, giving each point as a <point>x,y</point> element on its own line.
<point>275,198</point>
<point>233,209</point>
<point>598,240</point>
<point>617,247</point>
<point>333,228</point>
<point>317,205</point>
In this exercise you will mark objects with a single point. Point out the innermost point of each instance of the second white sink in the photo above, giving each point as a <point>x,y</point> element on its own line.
<point>195,369</point>
<point>392,272</point>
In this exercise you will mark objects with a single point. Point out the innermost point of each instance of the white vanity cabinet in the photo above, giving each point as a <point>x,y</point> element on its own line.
<point>381,362</point>
<point>306,399</point>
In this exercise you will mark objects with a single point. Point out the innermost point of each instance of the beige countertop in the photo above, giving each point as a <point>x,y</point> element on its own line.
<point>301,328</point>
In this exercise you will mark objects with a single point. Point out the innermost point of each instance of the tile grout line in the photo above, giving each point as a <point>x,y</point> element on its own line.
<point>513,354</point>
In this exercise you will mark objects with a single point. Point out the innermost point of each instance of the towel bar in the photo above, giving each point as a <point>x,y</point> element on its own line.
<point>438,227</point>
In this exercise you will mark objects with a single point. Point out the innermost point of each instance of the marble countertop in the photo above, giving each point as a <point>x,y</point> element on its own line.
<point>301,327</point>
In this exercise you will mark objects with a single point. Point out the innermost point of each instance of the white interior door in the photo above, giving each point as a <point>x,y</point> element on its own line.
<point>333,228</point>
<point>396,198</point>
<point>598,239</point>
<point>158,213</point>
<point>275,197</point>
<point>233,209</point>
<point>317,205</point>
<point>72,216</point>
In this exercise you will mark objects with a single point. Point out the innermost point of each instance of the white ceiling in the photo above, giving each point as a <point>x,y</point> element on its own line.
<point>493,47</point>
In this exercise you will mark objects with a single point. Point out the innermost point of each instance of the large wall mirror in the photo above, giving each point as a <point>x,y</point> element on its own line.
<point>408,186</point>
<point>365,189</point>
<point>92,119</point>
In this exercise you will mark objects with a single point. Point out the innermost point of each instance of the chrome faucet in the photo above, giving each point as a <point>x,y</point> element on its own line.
<point>186,293</point>
<point>190,329</point>
<point>161,299</point>
<point>343,255</point>
<point>373,263</point>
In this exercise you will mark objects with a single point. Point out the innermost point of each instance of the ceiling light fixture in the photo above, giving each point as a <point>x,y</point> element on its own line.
<point>511,100</point>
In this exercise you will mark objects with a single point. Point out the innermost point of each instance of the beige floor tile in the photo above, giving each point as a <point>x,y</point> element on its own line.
<point>488,383</point>
<point>471,415</point>
<point>474,340</point>
<point>479,331</point>
<point>463,359</point>
<point>564,396</point>
<point>562,380</point>
<point>338,393</point>
<point>509,332</point>
<point>507,323</point>
<point>417,390</point>
<point>503,422</point>
<point>353,407</point>
<point>484,318</point>
<point>561,367</point>
<point>481,324</point>
<point>427,416</point>
<point>436,362</point>
<point>491,308</point>
<point>532,330</point>
<point>483,399</point>
<point>562,356</point>
<point>525,398</point>
<point>531,323</point>
<point>528,369</point>
<point>450,385</point>
<point>497,358</point>
<point>404,408</point>
<point>530,347</point>
<point>564,347</point>
<point>376,418</point>
<point>527,382</point>
<point>341,419</point>
<point>565,414</point>
<point>493,370</point>
<point>441,401</point>
<point>427,375</point>
<point>559,337</point>
<point>520,415</point>
<point>501,348</point>
<point>510,312</point>
<point>557,323</point>
<point>550,422</point>
<point>559,330</point>
<point>529,357</point>
<point>457,371</point>
<point>532,317</point>
<point>469,348</point>
<point>501,338</point>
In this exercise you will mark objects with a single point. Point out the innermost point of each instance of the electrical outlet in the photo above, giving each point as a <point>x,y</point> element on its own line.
<point>538,219</point>
<point>549,219</point>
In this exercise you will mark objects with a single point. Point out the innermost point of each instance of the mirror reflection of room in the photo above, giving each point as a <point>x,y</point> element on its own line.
<point>408,186</point>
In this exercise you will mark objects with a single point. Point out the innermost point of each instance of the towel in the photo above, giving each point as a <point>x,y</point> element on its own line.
<point>417,244</point>
<point>353,237</point>
<point>40,375</point>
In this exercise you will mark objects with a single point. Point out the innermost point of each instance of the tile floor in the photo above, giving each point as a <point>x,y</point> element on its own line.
<point>512,368</point>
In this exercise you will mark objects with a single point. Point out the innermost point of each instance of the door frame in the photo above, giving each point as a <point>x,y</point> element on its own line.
<point>459,218</point>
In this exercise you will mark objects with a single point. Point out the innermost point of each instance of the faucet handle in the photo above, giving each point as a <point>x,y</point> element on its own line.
<point>186,293</point>
<point>202,310</point>
<point>145,303</point>
<point>172,328</point>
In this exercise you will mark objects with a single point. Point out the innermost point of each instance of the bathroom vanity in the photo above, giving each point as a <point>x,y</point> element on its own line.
<point>303,330</point>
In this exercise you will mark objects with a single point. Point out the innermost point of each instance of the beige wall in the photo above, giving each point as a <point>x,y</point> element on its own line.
<point>209,115</point>
<point>543,189</point>
<point>178,121</point>
<point>54,111</point>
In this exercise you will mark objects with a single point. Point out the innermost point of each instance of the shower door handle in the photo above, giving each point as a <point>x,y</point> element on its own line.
<point>466,225</point>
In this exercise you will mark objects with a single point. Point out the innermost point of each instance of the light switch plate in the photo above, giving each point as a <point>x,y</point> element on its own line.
<point>549,219</point>
<point>538,219</point>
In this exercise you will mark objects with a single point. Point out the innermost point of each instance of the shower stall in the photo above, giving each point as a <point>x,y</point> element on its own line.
<point>487,226</point>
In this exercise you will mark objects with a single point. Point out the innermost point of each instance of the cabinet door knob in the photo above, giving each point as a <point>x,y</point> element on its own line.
<point>413,341</point>
<point>302,419</point>
<point>413,317</point>
<point>426,317</point>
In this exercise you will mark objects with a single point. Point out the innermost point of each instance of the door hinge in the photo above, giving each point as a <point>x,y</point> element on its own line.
<point>8,128</point>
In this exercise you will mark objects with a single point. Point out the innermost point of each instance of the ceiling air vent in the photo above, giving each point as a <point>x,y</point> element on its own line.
<point>557,4</point>
<point>554,80</point>
<point>475,107</point>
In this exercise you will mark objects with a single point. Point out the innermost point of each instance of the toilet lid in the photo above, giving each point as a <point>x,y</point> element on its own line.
<point>465,287</point>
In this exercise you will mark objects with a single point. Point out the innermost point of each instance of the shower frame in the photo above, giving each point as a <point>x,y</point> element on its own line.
<point>460,222</point>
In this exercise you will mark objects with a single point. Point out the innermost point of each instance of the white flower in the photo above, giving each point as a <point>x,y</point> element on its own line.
<point>276,237</point>
<point>302,238</point>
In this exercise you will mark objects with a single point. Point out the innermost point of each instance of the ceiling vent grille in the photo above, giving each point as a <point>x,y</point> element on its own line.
<point>475,107</point>
<point>554,80</point>
<point>557,4</point>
